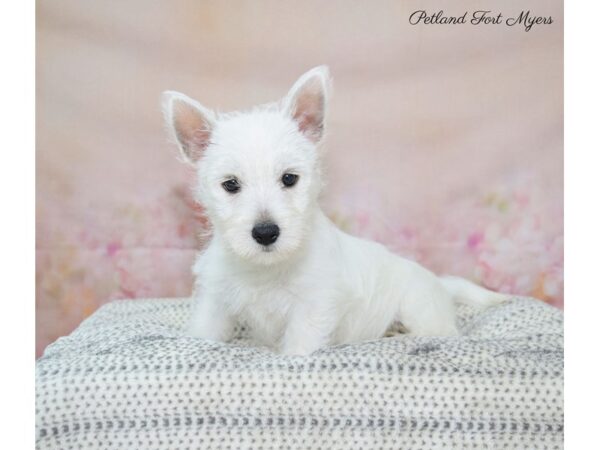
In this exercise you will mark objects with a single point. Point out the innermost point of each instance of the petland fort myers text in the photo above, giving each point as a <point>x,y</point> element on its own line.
<point>525,19</point>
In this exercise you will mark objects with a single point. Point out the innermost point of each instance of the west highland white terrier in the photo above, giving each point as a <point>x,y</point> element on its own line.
<point>275,261</point>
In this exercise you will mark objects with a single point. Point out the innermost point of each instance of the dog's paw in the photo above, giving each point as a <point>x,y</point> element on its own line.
<point>296,350</point>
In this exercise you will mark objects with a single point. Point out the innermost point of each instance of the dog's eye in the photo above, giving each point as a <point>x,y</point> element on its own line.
<point>289,179</point>
<point>231,185</point>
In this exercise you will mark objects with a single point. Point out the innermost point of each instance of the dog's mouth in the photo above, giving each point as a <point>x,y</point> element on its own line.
<point>267,248</point>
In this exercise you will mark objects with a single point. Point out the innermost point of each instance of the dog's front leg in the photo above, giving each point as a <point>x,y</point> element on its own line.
<point>308,329</point>
<point>210,319</point>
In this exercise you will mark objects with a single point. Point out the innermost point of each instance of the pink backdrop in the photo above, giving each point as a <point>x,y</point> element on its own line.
<point>445,141</point>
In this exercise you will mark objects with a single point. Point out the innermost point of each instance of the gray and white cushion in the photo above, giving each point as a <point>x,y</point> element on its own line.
<point>127,378</point>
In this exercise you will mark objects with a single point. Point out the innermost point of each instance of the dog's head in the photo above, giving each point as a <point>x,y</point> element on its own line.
<point>258,171</point>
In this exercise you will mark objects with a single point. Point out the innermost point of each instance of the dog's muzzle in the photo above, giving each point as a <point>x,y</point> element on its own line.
<point>265,233</point>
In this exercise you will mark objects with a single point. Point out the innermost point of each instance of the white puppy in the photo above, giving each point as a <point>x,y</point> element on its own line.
<point>275,261</point>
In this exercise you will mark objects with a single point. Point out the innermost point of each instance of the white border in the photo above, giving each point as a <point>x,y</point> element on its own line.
<point>582,225</point>
<point>17,248</point>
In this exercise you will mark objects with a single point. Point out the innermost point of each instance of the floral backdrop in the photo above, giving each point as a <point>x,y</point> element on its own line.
<point>444,143</point>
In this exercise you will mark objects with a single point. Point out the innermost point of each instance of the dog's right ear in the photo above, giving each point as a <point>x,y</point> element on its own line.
<point>189,123</point>
<point>306,102</point>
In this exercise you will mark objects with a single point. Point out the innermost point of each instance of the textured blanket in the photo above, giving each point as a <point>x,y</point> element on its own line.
<point>127,378</point>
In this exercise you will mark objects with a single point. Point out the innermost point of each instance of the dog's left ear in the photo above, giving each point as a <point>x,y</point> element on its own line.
<point>190,123</point>
<point>306,102</point>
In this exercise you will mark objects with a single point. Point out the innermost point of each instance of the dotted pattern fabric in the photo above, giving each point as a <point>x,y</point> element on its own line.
<point>128,378</point>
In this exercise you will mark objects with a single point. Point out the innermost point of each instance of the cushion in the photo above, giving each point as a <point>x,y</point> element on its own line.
<point>129,378</point>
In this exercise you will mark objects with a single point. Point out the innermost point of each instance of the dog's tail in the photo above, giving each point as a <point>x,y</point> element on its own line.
<point>468,293</point>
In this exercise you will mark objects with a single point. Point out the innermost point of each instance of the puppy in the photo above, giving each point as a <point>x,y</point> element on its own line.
<point>275,261</point>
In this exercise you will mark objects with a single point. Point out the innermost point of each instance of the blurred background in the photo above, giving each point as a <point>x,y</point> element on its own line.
<point>445,142</point>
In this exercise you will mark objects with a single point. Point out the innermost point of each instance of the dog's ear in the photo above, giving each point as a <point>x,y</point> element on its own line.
<point>306,102</point>
<point>189,123</point>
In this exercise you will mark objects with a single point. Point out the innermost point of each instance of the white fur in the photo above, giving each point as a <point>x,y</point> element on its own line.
<point>316,285</point>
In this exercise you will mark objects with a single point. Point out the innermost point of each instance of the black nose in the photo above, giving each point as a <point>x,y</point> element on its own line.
<point>265,233</point>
